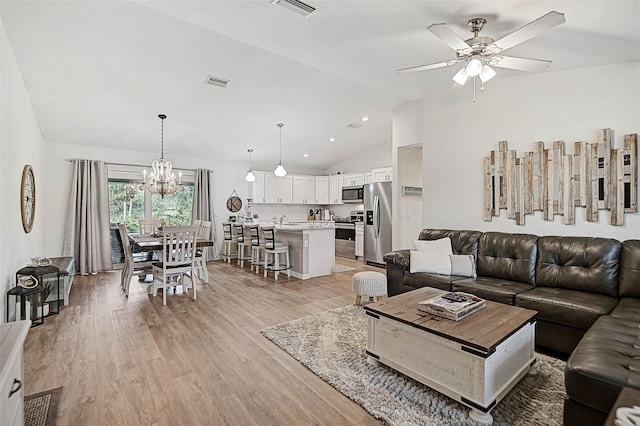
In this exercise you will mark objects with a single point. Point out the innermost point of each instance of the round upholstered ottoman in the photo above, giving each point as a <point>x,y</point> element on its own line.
<point>369,283</point>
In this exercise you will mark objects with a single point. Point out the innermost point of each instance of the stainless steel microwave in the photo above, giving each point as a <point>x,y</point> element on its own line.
<point>353,194</point>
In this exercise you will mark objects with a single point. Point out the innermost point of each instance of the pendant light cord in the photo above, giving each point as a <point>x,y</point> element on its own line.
<point>162,117</point>
<point>280,125</point>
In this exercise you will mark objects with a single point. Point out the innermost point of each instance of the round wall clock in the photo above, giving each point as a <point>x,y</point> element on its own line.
<point>27,198</point>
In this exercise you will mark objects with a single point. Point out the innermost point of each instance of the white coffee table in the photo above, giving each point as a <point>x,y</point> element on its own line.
<point>475,361</point>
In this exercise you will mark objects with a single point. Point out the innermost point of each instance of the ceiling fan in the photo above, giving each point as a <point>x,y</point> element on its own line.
<point>481,53</point>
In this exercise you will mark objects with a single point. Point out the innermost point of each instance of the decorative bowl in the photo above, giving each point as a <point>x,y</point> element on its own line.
<point>40,261</point>
<point>27,281</point>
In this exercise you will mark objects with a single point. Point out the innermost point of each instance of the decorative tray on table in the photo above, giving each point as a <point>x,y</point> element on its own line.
<point>40,261</point>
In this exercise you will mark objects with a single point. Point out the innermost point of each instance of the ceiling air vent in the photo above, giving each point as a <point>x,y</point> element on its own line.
<point>355,125</point>
<point>295,6</point>
<point>216,81</point>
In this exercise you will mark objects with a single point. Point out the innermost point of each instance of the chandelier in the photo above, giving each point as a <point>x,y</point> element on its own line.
<point>161,180</point>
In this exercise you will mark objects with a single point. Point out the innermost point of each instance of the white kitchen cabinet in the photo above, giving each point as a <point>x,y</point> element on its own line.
<point>304,190</point>
<point>359,239</point>
<point>256,188</point>
<point>335,189</point>
<point>322,190</point>
<point>368,177</point>
<point>382,174</point>
<point>12,337</point>
<point>278,190</point>
<point>353,179</point>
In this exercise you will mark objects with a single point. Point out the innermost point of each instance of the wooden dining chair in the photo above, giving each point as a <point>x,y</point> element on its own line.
<point>150,226</point>
<point>178,260</point>
<point>132,265</point>
<point>204,233</point>
<point>244,245</point>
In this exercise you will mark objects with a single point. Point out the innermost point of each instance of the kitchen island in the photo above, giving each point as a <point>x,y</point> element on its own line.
<point>311,247</point>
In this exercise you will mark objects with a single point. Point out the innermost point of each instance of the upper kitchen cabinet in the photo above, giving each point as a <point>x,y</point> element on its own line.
<point>322,190</point>
<point>382,174</point>
<point>278,190</point>
<point>256,188</point>
<point>353,179</point>
<point>335,189</point>
<point>368,177</point>
<point>304,190</point>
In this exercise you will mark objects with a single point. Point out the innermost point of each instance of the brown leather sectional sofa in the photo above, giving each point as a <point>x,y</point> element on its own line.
<point>586,291</point>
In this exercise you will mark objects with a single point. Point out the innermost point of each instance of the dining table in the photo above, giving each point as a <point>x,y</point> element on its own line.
<point>150,242</point>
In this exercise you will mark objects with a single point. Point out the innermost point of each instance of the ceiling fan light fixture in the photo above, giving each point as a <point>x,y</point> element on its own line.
<point>487,73</point>
<point>474,67</point>
<point>461,77</point>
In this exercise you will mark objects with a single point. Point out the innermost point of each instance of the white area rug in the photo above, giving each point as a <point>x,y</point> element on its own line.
<point>332,345</point>
<point>342,268</point>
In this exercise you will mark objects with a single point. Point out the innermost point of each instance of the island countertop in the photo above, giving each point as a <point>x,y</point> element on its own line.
<point>300,226</point>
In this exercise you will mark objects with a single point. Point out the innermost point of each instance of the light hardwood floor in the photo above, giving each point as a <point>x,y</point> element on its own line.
<point>131,361</point>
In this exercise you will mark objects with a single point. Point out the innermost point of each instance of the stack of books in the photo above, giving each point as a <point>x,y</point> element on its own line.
<point>453,306</point>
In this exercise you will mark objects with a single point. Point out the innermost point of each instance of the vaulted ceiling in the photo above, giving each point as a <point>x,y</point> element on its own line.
<point>99,73</point>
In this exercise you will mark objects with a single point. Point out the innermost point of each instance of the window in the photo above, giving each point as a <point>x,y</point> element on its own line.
<point>127,203</point>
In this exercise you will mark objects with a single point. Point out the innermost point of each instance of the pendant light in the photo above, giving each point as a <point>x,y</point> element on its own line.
<point>250,177</point>
<point>280,171</point>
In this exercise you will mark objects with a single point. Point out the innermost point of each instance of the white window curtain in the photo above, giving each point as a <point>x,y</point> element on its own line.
<point>86,235</point>
<point>203,208</point>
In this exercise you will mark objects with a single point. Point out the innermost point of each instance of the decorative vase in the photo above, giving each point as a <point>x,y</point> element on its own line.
<point>40,309</point>
<point>27,309</point>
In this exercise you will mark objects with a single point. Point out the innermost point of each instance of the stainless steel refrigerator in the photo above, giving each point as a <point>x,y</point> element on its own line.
<point>377,222</point>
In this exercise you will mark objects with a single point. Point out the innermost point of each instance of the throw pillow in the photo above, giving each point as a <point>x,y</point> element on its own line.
<point>463,265</point>
<point>442,264</point>
<point>432,263</point>
<point>441,246</point>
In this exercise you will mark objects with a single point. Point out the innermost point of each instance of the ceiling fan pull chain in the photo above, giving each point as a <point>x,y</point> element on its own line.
<point>474,90</point>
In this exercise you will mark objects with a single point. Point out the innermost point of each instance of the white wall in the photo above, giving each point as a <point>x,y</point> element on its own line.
<point>564,105</point>
<point>226,177</point>
<point>375,156</point>
<point>20,143</point>
<point>409,209</point>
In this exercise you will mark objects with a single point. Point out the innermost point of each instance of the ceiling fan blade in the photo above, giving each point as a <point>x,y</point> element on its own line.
<point>521,64</point>
<point>427,67</point>
<point>448,37</point>
<point>532,29</point>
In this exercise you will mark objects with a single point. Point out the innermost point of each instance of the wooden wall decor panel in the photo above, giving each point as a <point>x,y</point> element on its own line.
<point>631,173</point>
<point>568,202</point>
<point>594,176</point>
<point>502,163</point>
<point>487,197</point>
<point>604,168</point>
<point>580,173</point>
<point>547,174</point>
<point>592,202</point>
<point>510,183</point>
<point>558,176</point>
<point>616,196</point>
<point>520,190</point>
<point>527,183</point>
<point>538,166</point>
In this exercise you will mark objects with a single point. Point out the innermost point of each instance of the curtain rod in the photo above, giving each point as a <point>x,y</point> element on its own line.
<point>131,165</point>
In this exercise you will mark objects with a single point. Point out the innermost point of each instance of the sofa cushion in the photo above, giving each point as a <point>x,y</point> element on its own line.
<point>495,289</point>
<point>462,242</point>
<point>569,307</point>
<point>627,308</point>
<point>629,280</point>
<point>579,263</point>
<point>606,359</point>
<point>444,264</point>
<point>422,279</point>
<point>510,257</point>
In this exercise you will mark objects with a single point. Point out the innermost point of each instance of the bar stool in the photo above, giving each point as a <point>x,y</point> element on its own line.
<point>230,243</point>
<point>274,249</point>
<point>242,245</point>
<point>257,247</point>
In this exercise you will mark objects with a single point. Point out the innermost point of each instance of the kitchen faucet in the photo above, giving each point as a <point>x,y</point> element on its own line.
<point>282,218</point>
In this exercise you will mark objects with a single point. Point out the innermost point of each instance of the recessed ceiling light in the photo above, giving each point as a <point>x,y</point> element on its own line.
<point>365,118</point>
<point>332,139</point>
<point>305,155</point>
